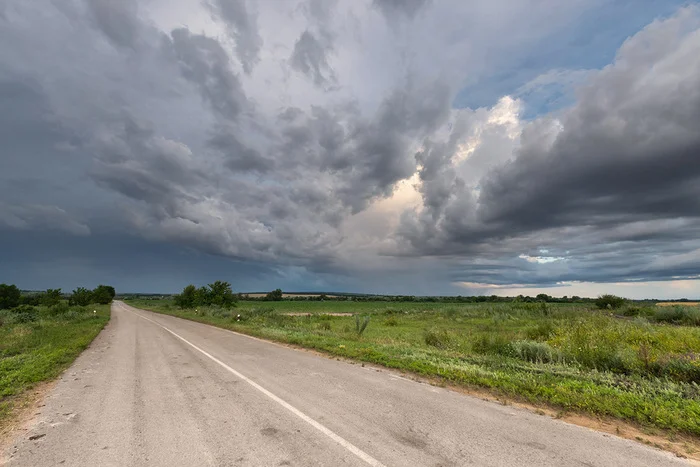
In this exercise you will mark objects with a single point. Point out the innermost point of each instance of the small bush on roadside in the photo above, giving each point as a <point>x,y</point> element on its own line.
<point>59,308</point>
<point>543,331</point>
<point>25,314</point>
<point>536,352</point>
<point>492,344</point>
<point>324,326</point>
<point>609,301</point>
<point>361,324</point>
<point>440,338</point>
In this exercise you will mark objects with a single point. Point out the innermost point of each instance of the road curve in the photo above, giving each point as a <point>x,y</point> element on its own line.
<point>160,391</point>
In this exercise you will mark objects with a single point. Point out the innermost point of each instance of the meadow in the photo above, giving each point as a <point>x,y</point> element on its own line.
<point>38,342</point>
<point>640,364</point>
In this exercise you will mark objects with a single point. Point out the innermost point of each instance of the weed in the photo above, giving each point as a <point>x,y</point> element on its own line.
<point>537,352</point>
<point>391,321</point>
<point>361,324</point>
<point>440,338</point>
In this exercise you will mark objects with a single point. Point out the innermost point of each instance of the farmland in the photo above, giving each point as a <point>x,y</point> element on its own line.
<point>640,364</point>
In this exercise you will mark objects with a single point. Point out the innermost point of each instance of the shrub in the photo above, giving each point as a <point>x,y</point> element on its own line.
<point>324,326</point>
<point>25,314</point>
<point>81,297</point>
<point>685,368</point>
<point>678,315</point>
<point>59,308</point>
<point>543,331</point>
<point>361,324</point>
<point>609,301</point>
<point>536,352</point>
<point>440,338</point>
<point>274,296</point>
<point>391,321</point>
<point>492,344</point>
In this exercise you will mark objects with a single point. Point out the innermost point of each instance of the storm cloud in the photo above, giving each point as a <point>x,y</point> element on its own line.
<point>330,143</point>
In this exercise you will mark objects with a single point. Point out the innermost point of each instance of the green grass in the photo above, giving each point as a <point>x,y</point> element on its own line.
<point>37,344</point>
<point>632,366</point>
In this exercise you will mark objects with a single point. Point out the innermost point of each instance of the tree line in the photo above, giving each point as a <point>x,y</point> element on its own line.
<point>12,297</point>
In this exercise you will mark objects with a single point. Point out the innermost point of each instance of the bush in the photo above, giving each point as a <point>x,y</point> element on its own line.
<point>492,344</point>
<point>274,296</point>
<point>391,321</point>
<point>81,297</point>
<point>685,368</point>
<point>536,352</point>
<point>440,338</point>
<point>324,326</point>
<point>609,301</point>
<point>678,315</point>
<point>10,296</point>
<point>543,331</point>
<point>59,308</point>
<point>361,324</point>
<point>25,314</point>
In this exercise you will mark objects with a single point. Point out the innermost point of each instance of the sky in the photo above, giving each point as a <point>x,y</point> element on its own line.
<point>423,147</point>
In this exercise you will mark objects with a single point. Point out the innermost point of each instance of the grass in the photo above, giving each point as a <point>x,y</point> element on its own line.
<point>38,343</point>
<point>638,366</point>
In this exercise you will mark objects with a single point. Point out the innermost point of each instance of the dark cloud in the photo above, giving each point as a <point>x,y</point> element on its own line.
<point>40,217</point>
<point>366,156</point>
<point>118,20</point>
<point>204,62</point>
<point>310,57</point>
<point>238,156</point>
<point>392,9</point>
<point>242,27</point>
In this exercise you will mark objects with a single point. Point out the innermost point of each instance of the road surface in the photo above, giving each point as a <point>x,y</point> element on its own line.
<point>160,391</point>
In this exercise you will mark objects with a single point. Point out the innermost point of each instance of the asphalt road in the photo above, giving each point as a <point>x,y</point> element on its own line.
<point>160,391</point>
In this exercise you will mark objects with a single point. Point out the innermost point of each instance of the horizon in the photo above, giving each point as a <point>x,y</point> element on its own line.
<point>401,148</point>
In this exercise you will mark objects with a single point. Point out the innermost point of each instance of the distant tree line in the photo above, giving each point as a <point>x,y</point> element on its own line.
<point>12,297</point>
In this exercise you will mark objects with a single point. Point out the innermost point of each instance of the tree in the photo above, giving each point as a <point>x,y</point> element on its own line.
<point>187,298</point>
<point>81,297</point>
<point>10,296</point>
<point>609,301</point>
<point>51,297</point>
<point>103,294</point>
<point>220,294</point>
<point>274,296</point>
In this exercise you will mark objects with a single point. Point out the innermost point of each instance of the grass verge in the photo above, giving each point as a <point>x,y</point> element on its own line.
<point>37,344</point>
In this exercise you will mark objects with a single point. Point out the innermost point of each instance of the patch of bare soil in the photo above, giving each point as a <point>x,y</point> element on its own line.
<point>25,407</point>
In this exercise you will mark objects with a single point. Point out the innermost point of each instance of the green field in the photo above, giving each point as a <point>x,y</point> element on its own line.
<point>38,343</point>
<point>570,357</point>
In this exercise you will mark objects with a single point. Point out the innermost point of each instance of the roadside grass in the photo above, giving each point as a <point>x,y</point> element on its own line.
<point>632,365</point>
<point>38,343</point>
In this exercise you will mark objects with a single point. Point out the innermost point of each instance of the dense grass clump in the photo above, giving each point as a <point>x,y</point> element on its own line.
<point>638,363</point>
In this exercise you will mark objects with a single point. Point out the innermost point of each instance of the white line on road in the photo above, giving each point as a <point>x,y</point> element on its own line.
<point>326,431</point>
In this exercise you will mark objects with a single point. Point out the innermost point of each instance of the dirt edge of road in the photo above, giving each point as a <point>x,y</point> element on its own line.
<point>25,407</point>
<point>681,445</point>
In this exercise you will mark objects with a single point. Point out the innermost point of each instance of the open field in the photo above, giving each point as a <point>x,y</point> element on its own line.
<point>629,366</point>
<point>38,343</point>
<point>678,303</point>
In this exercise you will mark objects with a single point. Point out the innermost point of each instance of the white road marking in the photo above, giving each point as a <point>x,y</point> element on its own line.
<point>326,431</point>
